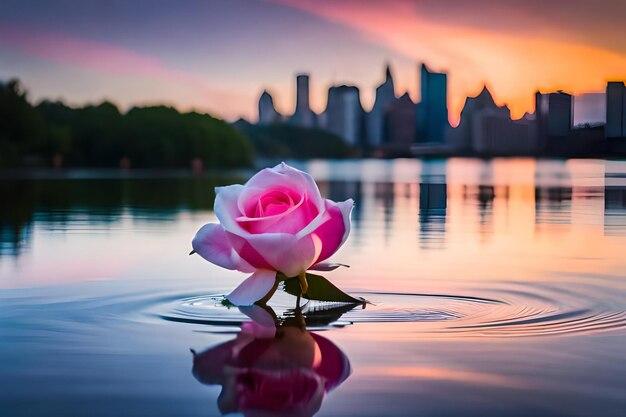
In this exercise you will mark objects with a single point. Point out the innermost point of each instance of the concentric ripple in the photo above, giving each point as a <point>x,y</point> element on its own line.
<point>547,311</point>
<point>507,312</point>
<point>388,307</point>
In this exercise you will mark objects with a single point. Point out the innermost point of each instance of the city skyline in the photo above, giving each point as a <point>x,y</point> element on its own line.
<point>587,108</point>
<point>398,126</point>
<point>219,56</point>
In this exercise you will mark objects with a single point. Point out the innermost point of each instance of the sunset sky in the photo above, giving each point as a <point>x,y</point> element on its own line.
<point>217,56</point>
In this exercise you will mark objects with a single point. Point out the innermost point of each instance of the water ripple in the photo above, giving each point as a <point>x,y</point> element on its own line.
<point>511,312</point>
<point>506,309</point>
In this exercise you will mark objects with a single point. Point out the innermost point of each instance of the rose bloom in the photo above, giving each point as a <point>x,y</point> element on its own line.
<point>276,222</point>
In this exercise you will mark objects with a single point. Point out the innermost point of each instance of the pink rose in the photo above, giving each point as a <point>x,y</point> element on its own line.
<point>277,221</point>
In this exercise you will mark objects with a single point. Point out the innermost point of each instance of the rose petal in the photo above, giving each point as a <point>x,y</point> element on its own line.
<point>327,266</point>
<point>289,177</point>
<point>285,218</point>
<point>227,211</point>
<point>212,244</point>
<point>247,252</point>
<point>299,257</point>
<point>321,218</point>
<point>249,201</point>
<point>255,287</point>
<point>334,232</point>
<point>226,208</point>
<point>291,221</point>
<point>282,252</point>
<point>286,253</point>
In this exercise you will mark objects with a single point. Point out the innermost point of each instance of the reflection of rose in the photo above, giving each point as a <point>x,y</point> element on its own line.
<point>277,221</point>
<point>285,375</point>
<point>297,392</point>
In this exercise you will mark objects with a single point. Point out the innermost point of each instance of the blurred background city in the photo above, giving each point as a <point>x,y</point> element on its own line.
<point>218,84</point>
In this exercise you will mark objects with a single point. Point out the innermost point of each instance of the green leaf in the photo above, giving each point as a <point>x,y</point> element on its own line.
<point>226,303</point>
<point>320,289</point>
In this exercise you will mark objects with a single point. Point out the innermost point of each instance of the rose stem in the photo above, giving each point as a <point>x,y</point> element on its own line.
<point>304,285</point>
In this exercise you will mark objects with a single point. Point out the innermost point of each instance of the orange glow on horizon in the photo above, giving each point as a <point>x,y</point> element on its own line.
<point>513,66</point>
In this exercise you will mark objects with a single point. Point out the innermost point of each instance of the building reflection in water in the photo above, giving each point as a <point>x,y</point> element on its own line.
<point>615,204</point>
<point>273,367</point>
<point>485,196</point>
<point>433,203</point>
<point>553,193</point>
<point>402,207</point>
<point>341,191</point>
<point>384,194</point>
<point>553,205</point>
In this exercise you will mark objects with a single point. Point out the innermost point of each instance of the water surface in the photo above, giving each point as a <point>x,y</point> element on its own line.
<point>497,288</point>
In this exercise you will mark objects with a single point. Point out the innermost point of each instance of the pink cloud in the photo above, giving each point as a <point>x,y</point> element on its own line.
<point>98,56</point>
<point>511,62</point>
<point>191,91</point>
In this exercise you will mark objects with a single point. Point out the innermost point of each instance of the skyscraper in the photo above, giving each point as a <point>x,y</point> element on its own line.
<point>432,111</point>
<point>615,110</point>
<point>344,113</point>
<point>399,125</point>
<point>303,115</point>
<point>385,94</point>
<point>487,128</point>
<point>267,111</point>
<point>553,113</point>
<point>470,116</point>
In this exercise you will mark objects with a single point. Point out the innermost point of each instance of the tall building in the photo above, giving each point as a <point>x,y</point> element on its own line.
<point>553,121</point>
<point>432,111</point>
<point>344,114</point>
<point>470,115</point>
<point>494,133</point>
<point>303,116</point>
<point>385,95</point>
<point>615,110</point>
<point>487,128</point>
<point>399,123</point>
<point>267,111</point>
<point>554,114</point>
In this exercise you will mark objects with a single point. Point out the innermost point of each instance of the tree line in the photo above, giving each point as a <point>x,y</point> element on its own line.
<point>52,133</point>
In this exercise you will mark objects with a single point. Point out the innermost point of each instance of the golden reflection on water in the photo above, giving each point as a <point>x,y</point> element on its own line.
<point>521,219</point>
<point>417,226</point>
<point>443,374</point>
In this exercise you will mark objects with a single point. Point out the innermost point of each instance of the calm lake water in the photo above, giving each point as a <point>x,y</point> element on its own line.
<point>497,288</point>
